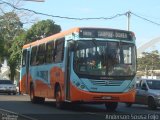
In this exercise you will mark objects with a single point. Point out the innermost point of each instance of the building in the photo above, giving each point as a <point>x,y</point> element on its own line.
<point>4,70</point>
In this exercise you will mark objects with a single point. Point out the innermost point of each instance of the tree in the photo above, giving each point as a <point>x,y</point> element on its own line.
<point>16,48</point>
<point>1,49</point>
<point>15,53</point>
<point>11,27</point>
<point>13,36</point>
<point>149,61</point>
<point>42,29</point>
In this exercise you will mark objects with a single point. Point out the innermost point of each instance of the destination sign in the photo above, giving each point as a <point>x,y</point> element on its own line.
<point>106,33</point>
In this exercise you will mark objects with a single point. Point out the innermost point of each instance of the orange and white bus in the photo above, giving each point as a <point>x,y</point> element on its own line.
<point>86,65</point>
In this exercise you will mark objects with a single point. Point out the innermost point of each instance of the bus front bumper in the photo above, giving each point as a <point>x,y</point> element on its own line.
<point>77,95</point>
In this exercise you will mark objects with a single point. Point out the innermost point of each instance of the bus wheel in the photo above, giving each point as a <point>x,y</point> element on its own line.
<point>58,95</point>
<point>32,97</point>
<point>111,106</point>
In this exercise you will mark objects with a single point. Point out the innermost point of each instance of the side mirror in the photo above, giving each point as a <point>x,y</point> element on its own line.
<point>144,87</point>
<point>72,45</point>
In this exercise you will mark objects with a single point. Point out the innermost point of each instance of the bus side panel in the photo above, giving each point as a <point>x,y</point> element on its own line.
<point>40,80</point>
<point>57,77</point>
<point>24,84</point>
<point>41,88</point>
<point>46,89</point>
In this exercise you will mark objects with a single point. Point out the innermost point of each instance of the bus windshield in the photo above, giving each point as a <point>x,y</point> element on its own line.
<point>105,58</point>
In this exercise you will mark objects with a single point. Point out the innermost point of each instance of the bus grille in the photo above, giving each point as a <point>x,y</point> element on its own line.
<point>106,82</point>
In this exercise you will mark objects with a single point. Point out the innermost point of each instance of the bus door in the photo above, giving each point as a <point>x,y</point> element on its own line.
<point>27,72</point>
<point>67,72</point>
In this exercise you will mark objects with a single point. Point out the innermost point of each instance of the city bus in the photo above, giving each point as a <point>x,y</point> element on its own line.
<point>81,65</point>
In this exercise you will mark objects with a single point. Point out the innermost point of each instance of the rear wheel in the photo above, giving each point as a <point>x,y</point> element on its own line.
<point>111,106</point>
<point>58,95</point>
<point>35,99</point>
<point>151,104</point>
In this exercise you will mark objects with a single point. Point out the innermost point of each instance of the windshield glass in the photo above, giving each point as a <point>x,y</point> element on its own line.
<point>104,58</point>
<point>154,84</point>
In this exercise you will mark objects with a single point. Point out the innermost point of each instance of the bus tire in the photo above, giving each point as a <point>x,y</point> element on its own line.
<point>35,99</point>
<point>111,106</point>
<point>58,96</point>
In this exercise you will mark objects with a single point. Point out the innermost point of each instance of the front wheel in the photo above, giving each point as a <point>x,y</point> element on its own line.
<point>111,106</point>
<point>14,93</point>
<point>151,104</point>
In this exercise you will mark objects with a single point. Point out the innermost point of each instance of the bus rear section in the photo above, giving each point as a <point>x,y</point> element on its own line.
<point>97,65</point>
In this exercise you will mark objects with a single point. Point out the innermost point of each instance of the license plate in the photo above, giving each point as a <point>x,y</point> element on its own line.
<point>106,97</point>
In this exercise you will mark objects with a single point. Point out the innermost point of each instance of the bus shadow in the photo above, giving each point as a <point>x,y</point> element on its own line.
<point>96,108</point>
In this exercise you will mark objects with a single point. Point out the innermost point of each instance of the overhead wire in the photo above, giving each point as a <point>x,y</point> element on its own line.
<point>145,19</point>
<point>62,17</point>
<point>73,18</point>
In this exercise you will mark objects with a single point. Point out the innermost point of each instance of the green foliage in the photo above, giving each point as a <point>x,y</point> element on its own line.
<point>16,48</point>
<point>10,27</point>
<point>15,53</point>
<point>149,61</point>
<point>13,37</point>
<point>1,49</point>
<point>42,29</point>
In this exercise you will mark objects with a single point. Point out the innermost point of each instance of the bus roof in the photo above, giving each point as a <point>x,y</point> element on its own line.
<point>62,34</point>
<point>52,37</point>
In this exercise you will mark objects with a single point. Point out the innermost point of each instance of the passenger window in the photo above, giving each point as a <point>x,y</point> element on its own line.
<point>59,53</point>
<point>33,55</point>
<point>24,58</point>
<point>50,52</point>
<point>41,54</point>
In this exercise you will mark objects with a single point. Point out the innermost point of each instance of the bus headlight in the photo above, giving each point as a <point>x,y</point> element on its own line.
<point>82,87</point>
<point>79,85</point>
<point>131,86</point>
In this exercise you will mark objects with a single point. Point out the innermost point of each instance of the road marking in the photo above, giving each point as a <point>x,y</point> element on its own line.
<point>24,116</point>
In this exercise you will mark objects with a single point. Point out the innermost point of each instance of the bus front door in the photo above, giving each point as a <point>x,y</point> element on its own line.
<point>27,73</point>
<point>67,73</point>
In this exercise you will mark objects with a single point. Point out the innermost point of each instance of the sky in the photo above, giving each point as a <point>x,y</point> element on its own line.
<point>143,30</point>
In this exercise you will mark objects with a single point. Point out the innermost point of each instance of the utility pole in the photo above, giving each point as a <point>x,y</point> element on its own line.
<point>128,19</point>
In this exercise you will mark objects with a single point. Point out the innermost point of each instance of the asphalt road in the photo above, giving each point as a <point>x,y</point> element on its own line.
<point>19,107</point>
